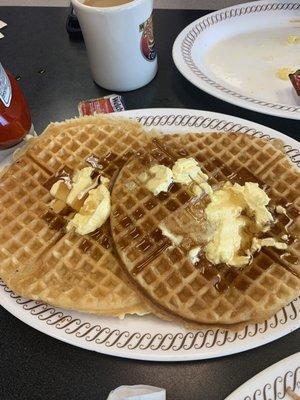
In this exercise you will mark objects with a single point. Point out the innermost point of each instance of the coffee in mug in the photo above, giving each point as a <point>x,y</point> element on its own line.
<point>105,3</point>
<point>119,39</point>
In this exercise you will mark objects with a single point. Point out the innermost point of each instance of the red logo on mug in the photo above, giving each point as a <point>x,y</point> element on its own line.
<point>147,40</point>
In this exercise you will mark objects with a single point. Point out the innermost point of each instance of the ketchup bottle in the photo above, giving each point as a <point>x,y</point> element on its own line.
<point>15,119</point>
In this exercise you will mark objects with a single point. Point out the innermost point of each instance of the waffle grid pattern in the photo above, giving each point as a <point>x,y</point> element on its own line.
<point>112,141</point>
<point>166,277</point>
<point>23,234</point>
<point>76,272</point>
<point>38,259</point>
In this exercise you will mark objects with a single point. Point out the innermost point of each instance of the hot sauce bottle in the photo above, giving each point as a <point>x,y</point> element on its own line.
<point>15,119</point>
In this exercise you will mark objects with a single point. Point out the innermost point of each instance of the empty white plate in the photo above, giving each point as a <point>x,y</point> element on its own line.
<point>235,54</point>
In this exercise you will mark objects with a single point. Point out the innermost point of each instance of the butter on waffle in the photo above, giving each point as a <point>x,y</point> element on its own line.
<point>38,259</point>
<point>162,272</point>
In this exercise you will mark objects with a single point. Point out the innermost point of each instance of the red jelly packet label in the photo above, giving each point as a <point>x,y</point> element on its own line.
<point>295,79</point>
<point>102,105</point>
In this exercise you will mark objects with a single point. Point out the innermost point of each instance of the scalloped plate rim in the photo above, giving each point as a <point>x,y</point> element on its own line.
<point>184,69</point>
<point>161,357</point>
<point>192,354</point>
<point>263,374</point>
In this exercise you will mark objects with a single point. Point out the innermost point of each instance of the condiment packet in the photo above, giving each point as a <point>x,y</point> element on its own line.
<point>102,105</point>
<point>137,392</point>
<point>295,79</point>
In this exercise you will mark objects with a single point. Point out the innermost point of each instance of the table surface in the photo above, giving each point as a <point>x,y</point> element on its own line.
<point>35,366</point>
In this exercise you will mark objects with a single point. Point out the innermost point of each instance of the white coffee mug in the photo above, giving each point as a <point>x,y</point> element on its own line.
<point>119,42</point>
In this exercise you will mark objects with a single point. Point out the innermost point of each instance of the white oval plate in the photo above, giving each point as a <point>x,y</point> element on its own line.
<point>272,383</point>
<point>234,54</point>
<point>148,338</point>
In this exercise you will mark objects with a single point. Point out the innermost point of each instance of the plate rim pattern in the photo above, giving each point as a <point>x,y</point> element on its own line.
<point>278,387</point>
<point>272,382</point>
<point>172,341</point>
<point>169,341</point>
<point>203,23</point>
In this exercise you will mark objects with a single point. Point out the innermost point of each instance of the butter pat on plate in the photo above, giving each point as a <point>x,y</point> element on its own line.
<point>94,212</point>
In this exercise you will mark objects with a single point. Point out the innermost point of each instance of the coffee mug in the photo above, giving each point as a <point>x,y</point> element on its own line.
<point>119,42</point>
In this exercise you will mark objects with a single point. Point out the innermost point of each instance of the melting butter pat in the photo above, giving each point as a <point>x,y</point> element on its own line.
<point>186,171</point>
<point>81,181</point>
<point>175,239</point>
<point>283,73</point>
<point>280,210</point>
<point>230,211</point>
<point>255,200</point>
<point>161,180</point>
<point>225,216</point>
<point>94,212</point>
<point>199,189</point>
<point>257,244</point>
<point>60,190</point>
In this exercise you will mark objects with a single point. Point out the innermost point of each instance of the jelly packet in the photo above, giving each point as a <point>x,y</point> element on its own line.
<point>102,105</point>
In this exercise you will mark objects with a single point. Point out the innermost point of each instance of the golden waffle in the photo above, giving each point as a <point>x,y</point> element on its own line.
<point>173,287</point>
<point>38,259</point>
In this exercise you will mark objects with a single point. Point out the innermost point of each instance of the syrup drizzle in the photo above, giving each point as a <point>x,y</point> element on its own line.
<point>64,174</point>
<point>222,276</point>
<point>54,221</point>
<point>97,234</point>
<point>94,161</point>
<point>151,257</point>
<point>164,150</point>
<point>85,245</point>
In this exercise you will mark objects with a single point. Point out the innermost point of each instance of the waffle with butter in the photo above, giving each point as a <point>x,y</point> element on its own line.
<point>38,258</point>
<point>161,270</point>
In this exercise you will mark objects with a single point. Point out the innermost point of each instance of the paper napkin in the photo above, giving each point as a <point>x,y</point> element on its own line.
<point>137,392</point>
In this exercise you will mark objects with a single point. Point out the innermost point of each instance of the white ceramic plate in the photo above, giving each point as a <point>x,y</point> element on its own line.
<point>149,338</point>
<point>234,54</point>
<point>272,383</point>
